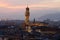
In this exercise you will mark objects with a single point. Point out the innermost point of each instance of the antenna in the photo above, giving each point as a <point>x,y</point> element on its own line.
<point>27,3</point>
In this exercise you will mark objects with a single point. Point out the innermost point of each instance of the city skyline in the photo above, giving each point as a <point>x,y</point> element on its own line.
<point>15,9</point>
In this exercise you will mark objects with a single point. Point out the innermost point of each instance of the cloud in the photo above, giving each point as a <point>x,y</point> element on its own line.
<point>44,5</point>
<point>12,7</point>
<point>41,4</point>
<point>49,0</point>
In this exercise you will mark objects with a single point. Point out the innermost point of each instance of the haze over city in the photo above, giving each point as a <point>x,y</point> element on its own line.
<point>29,19</point>
<point>15,9</point>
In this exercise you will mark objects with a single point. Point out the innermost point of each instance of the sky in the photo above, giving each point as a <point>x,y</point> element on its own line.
<point>15,9</point>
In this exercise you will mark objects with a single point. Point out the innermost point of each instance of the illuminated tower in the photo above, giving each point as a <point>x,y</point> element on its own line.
<point>27,23</point>
<point>27,14</point>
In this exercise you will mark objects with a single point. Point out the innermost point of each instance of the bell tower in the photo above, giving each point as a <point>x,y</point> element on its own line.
<point>27,14</point>
<point>27,22</point>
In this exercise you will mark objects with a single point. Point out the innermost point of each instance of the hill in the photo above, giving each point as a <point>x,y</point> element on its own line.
<point>55,16</point>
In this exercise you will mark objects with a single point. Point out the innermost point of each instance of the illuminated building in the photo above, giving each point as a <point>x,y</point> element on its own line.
<point>27,14</point>
<point>29,24</point>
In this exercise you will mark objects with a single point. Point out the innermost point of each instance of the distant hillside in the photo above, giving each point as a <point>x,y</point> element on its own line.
<point>55,16</point>
<point>11,21</point>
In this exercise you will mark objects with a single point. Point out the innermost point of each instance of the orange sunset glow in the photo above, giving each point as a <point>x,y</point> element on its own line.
<point>18,6</point>
<point>48,5</point>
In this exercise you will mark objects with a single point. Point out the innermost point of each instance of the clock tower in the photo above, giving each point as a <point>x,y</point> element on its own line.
<point>27,14</point>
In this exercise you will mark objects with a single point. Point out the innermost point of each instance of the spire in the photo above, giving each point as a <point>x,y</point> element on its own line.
<point>34,20</point>
<point>27,15</point>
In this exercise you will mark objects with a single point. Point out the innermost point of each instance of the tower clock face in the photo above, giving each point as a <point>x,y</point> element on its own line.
<point>27,13</point>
